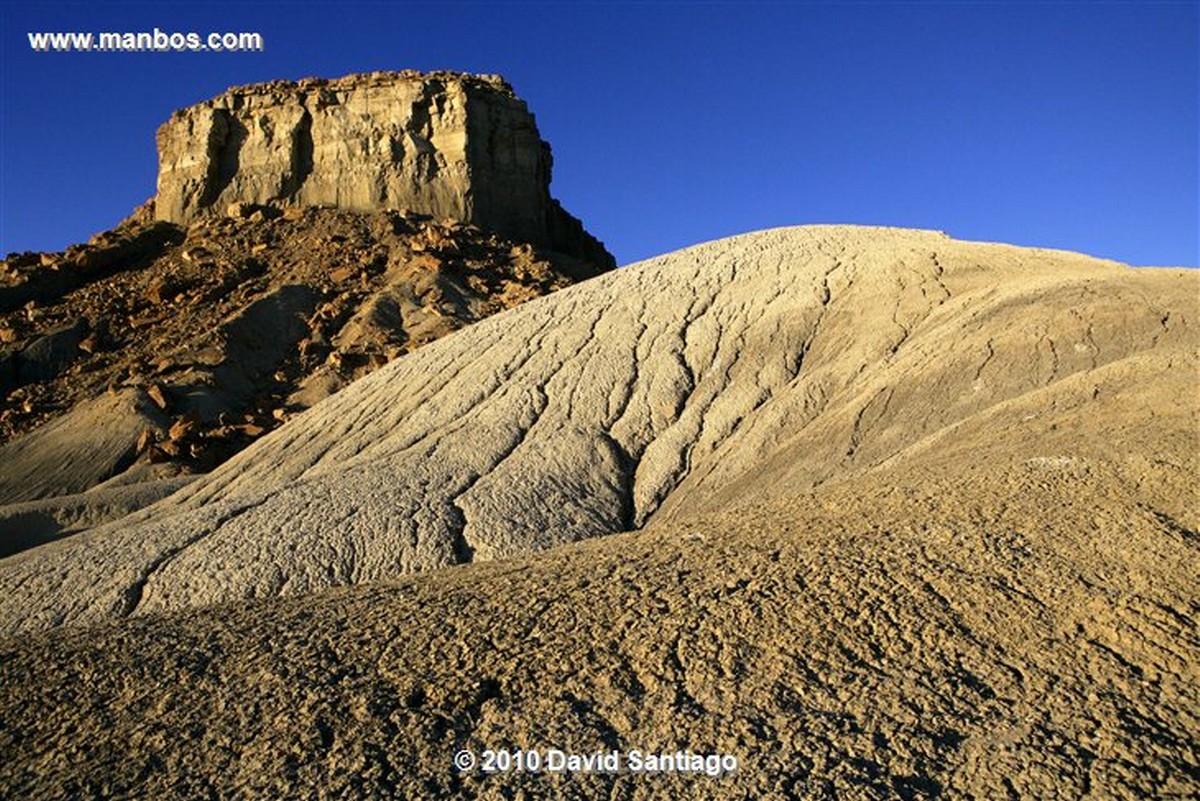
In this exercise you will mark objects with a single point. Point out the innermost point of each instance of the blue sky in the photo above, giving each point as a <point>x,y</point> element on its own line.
<point>1065,125</point>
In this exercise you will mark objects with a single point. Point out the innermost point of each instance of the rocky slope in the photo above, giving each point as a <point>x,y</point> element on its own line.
<point>920,520</point>
<point>156,351</point>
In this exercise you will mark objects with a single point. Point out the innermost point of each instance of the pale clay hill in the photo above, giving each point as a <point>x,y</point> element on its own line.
<point>735,370</point>
<point>917,517</point>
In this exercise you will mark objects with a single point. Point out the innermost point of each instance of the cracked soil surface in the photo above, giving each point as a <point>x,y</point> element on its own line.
<point>915,518</point>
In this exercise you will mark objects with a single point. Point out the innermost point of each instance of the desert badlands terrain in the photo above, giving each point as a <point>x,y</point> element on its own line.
<point>857,512</point>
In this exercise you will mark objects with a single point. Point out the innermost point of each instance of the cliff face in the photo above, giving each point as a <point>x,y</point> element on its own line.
<point>450,145</point>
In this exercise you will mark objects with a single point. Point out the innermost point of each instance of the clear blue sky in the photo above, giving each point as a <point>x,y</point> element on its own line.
<point>1067,125</point>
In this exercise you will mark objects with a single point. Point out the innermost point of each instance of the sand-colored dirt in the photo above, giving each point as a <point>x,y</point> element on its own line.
<point>1020,631</point>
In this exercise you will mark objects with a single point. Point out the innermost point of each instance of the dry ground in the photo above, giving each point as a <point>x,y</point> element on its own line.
<point>917,519</point>
<point>1023,632</point>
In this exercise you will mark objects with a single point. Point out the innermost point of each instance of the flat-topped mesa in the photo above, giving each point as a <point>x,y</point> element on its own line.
<point>447,144</point>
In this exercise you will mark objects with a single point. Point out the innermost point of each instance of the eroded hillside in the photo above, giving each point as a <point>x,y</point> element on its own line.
<point>918,519</point>
<point>742,369</point>
<point>157,351</point>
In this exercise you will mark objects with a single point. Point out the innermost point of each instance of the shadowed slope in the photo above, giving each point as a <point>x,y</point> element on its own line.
<point>741,369</point>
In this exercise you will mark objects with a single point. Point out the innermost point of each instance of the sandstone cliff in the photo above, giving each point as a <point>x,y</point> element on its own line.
<point>450,145</point>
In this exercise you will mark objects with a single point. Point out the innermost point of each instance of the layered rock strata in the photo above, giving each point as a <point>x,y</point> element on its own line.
<point>450,145</point>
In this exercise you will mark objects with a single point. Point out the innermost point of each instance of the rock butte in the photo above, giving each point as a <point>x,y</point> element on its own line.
<point>447,144</point>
